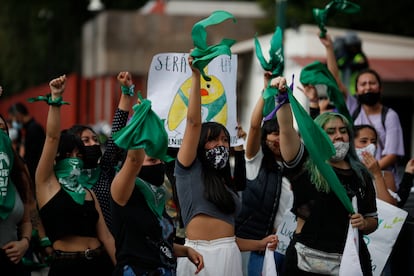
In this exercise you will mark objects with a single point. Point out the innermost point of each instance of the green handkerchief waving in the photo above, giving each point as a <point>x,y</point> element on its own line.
<point>144,131</point>
<point>276,59</point>
<point>318,73</point>
<point>203,53</point>
<point>320,149</point>
<point>276,65</point>
<point>322,15</point>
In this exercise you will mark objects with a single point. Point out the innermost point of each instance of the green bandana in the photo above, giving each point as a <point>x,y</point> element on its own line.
<point>68,173</point>
<point>145,130</point>
<point>321,15</point>
<point>154,196</point>
<point>320,148</point>
<point>203,53</point>
<point>7,190</point>
<point>276,61</point>
<point>318,73</point>
<point>275,65</point>
<point>89,177</point>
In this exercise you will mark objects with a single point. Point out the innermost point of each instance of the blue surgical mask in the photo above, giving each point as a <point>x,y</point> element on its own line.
<point>17,125</point>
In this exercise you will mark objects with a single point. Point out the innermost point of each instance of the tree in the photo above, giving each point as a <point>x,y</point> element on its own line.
<point>380,16</point>
<point>41,39</point>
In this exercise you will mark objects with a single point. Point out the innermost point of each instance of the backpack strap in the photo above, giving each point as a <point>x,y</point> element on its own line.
<point>384,111</point>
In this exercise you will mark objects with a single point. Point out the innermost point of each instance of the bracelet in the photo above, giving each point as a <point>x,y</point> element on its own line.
<point>48,99</point>
<point>45,242</point>
<point>27,238</point>
<point>128,90</point>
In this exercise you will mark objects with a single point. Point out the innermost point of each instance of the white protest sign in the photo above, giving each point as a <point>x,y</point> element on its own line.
<point>285,231</point>
<point>169,83</point>
<point>381,242</point>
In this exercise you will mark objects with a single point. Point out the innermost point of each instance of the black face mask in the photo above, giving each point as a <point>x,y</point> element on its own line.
<point>369,98</point>
<point>91,156</point>
<point>153,174</point>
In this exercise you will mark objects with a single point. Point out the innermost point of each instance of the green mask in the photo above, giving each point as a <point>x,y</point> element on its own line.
<point>68,173</point>
<point>155,196</point>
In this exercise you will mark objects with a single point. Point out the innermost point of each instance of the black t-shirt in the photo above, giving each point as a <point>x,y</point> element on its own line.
<point>142,240</point>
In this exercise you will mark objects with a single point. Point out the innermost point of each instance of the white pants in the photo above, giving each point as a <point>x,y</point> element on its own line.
<point>222,257</point>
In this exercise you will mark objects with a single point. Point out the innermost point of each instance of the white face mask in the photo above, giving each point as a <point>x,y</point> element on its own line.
<point>341,149</point>
<point>371,148</point>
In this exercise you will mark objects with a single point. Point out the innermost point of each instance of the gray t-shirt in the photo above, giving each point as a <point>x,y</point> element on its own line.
<point>8,227</point>
<point>190,190</point>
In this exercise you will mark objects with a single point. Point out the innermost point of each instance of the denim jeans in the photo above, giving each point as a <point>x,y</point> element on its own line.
<point>159,272</point>
<point>256,263</point>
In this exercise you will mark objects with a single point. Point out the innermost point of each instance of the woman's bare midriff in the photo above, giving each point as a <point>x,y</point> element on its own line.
<point>76,243</point>
<point>203,227</point>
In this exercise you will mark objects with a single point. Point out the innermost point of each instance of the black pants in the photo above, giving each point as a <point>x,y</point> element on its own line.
<point>9,268</point>
<point>101,265</point>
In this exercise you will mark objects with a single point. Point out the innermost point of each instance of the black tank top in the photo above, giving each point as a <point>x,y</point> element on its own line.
<point>62,216</point>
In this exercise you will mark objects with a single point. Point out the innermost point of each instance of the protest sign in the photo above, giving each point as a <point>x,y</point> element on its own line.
<point>169,83</point>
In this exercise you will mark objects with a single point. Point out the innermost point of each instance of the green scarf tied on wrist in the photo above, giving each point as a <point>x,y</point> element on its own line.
<point>7,189</point>
<point>318,73</point>
<point>276,65</point>
<point>322,15</point>
<point>320,148</point>
<point>68,173</point>
<point>203,53</point>
<point>144,131</point>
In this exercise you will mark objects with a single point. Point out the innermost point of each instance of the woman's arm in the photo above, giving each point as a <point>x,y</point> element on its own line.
<point>388,160</point>
<point>195,257</point>
<point>332,64</point>
<point>104,235</point>
<point>381,182</point>
<point>257,245</point>
<point>289,138</point>
<point>254,133</point>
<point>367,225</point>
<point>188,150</point>
<point>46,182</point>
<point>15,250</point>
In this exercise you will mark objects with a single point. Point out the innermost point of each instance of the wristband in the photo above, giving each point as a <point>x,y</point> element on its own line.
<point>45,242</point>
<point>48,99</point>
<point>128,90</point>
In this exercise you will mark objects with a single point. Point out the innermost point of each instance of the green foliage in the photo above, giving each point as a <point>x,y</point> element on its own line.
<point>380,16</point>
<point>41,39</point>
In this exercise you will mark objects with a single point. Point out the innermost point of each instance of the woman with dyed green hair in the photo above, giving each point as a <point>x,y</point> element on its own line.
<point>323,219</point>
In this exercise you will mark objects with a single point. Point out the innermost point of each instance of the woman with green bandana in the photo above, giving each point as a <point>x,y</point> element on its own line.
<point>100,169</point>
<point>208,204</point>
<point>322,217</point>
<point>144,233</point>
<point>16,203</point>
<point>70,213</point>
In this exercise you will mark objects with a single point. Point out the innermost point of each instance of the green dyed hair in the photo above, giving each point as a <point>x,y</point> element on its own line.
<point>316,177</point>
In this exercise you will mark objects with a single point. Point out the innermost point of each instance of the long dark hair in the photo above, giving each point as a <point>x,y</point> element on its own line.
<point>67,143</point>
<point>215,181</point>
